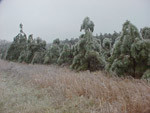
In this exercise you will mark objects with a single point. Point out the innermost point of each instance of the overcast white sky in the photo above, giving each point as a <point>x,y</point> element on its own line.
<point>50,19</point>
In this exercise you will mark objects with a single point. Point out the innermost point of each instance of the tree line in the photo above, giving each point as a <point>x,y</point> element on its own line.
<point>126,53</point>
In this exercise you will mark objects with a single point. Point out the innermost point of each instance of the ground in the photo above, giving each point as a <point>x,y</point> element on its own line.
<point>26,88</point>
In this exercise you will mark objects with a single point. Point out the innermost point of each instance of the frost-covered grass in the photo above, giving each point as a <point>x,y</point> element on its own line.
<point>52,89</point>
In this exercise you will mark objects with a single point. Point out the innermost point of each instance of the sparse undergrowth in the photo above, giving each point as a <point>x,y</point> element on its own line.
<point>51,89</point>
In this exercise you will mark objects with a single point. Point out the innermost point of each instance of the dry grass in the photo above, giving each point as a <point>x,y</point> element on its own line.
<point>52,89</point>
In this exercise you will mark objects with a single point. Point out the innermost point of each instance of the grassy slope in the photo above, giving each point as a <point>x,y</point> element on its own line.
<point>51,89</point>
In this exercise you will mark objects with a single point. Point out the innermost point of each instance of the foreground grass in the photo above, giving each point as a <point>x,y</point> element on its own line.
<point>51,89</point>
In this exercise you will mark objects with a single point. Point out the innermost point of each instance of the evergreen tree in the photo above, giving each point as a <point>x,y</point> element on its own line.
<point>106,48</point>
<point>87,51</point>
<point>146,75</point>
<point>112,37</point>
<point>145,32</point>
<point>18,45</point>
<point>130,54</point>
<point>52,53</point>
<point>26,50</point>
<point>140,51</point>
<point>38,51</point>
<point>26,54</point>
<point>4,46</point>
<point>56,41</point>
<point>65,55</point>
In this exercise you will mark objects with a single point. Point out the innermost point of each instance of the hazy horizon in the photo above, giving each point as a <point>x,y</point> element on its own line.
<point>62,19</point>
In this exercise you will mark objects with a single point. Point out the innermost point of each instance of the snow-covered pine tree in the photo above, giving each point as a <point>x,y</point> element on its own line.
<point>131,53</point>
<point>65,55</point>
<point>106,48</point>
<point>87,51</point>
<point>145,32</point>
<point>52,53</point>
<point>18,45</point>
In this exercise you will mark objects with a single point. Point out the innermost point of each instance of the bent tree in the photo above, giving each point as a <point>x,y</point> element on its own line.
<point>18,45</point>
<point>131,53</point>
<point>87,51</point>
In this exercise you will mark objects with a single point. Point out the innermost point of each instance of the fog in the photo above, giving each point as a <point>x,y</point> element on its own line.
<point>51,19</point>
